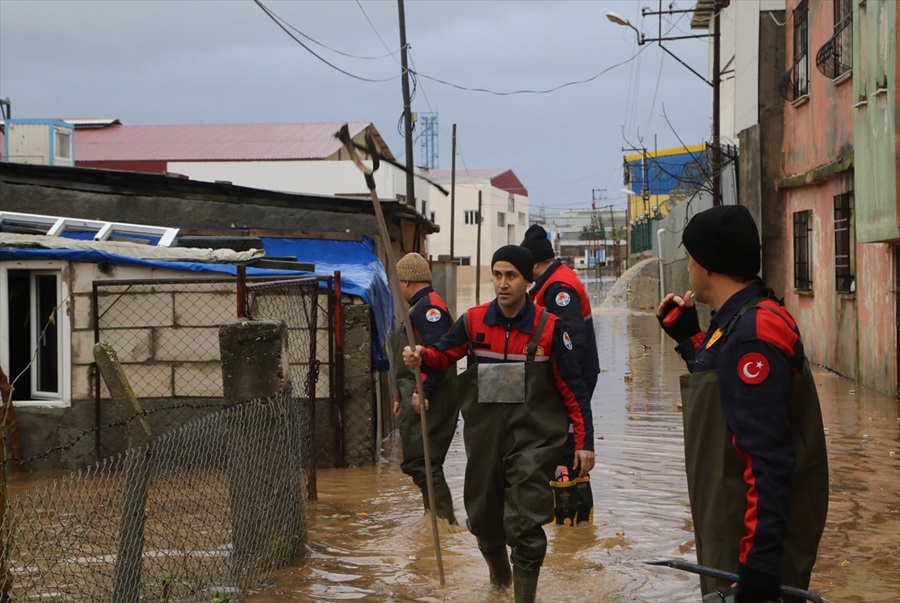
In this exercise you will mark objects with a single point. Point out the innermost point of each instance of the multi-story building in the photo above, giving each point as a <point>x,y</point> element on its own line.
<point>830,226</point>
<point>497,196</point>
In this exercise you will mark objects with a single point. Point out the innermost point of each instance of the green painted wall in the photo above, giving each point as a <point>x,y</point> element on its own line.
<point>875,119</point>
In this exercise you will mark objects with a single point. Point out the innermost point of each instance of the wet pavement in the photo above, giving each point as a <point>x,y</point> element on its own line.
<point>369,541</point>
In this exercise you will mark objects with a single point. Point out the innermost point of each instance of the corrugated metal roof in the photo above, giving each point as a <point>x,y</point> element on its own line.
<point>502,178</point>
<point>476,175</point>
<point>213,142</point>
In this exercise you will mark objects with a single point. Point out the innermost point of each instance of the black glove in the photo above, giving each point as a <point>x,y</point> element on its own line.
<point>757,587</point>
<point>685,327</point>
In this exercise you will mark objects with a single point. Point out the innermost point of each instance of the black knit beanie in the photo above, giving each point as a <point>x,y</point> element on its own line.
<point>724,239</point>
<point>519,257</point>
<point>537,242</point>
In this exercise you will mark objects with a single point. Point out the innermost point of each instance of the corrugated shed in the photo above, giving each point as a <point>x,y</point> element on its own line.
<point>213,142</point>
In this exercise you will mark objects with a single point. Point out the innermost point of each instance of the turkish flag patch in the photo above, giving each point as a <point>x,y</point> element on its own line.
<point>753,368</point>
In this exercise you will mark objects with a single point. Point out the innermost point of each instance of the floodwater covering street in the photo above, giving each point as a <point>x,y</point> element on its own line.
<point>369,541</point>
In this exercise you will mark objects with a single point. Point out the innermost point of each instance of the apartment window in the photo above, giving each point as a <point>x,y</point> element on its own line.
<point>521,218</point>
<point>844,260</point>
<point>35,346</point>
<point>471,216</point>
<point>501,219</point>
<point>802,250</point>
<point>801,49</point>
<point>511,203</point>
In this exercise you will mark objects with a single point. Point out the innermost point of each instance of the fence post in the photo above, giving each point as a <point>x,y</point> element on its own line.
<point>126,588</point>
<point>254,358</point>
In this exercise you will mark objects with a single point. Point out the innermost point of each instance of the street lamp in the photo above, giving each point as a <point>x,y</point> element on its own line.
<point>642,39</point>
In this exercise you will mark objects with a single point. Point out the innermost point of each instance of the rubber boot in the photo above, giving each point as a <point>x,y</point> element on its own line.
<point>525,584</point>
<point>497,558</point>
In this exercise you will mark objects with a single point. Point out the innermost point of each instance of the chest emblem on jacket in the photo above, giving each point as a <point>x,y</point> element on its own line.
<point>562,299</point>
<point>433,315</point>
<point>538,352</point>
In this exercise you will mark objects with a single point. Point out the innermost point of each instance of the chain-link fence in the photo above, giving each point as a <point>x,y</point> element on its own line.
<point>166,332</point>
<point>296,302</point>
<point>203,511</point>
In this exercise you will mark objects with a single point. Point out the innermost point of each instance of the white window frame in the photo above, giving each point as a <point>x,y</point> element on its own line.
<point>60,150</point>
<point>63,398</point>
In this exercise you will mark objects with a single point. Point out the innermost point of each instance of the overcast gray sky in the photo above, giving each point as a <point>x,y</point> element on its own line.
<point>226,61</point>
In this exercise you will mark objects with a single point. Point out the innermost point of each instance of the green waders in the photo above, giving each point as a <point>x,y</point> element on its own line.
<point>717,490</point>
<point>512,450</point>
<point>442,417</point>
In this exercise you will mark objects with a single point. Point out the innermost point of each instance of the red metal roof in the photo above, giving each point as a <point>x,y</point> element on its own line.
<point>502,178</point>
<point>212,142</point>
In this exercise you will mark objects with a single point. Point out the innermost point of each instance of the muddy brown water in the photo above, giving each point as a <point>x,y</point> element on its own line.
<point>369,540</point>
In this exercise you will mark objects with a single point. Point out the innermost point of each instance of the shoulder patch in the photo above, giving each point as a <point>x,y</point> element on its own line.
<point>566,339</point>
<point>562,299</point>
<point>776,327</point>
<point>433,315</point>
<point>753,368</point>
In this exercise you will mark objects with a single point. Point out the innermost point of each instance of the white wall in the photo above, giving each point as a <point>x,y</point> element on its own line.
<point>740,55</point>
<point>312,177</point>
<point>494,201</point>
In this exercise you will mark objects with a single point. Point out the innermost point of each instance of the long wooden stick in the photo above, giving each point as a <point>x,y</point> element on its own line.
<point>394,280</point>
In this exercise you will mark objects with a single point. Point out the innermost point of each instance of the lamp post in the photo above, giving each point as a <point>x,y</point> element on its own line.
<point>715,83</point>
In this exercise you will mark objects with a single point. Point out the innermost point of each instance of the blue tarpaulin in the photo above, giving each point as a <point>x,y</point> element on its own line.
<point>362,273</point>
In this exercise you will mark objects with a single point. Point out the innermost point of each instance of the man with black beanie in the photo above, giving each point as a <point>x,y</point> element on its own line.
<point>558,289</point>
<point>518,395</point>
<point>754,442</point>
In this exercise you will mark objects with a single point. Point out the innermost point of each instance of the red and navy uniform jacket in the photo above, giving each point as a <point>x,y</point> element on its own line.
<point>430,320</point>
<point>561,292</point>
<point>497,339</point>
<point>756,362</point>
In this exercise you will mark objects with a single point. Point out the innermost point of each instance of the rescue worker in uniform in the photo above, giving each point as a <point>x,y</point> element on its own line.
<point>558,289</point>
<point>754,442</point>
<point>521,389</point>
<point>430,320</point>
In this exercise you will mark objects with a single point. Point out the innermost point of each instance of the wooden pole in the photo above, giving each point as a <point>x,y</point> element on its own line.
<point>394,281</point>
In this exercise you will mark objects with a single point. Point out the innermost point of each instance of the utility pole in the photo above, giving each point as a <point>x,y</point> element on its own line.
<point>407,114</point>
<point>615,240</point>
<point>453,195</point>
<point>478,255</point>
<point>717,85</point>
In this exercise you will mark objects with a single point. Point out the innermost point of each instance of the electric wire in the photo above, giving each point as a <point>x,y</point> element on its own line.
<point>278,22</point>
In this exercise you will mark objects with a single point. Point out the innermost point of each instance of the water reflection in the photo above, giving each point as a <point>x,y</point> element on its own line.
<point>370,542</point>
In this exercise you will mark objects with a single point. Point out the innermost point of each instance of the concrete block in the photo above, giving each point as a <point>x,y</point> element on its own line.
<point>82,344</point>
<point>82,382</point>
<point>150,380</point>
<point>82,314</point>
<point>252,358</point>
<point>131,345</point>
<point>187,344</point>
<point>201,309</point>
<point>198,379</point>
<point>138,310</point>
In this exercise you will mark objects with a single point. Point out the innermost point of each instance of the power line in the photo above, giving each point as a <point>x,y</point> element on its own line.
<point>278,21</point>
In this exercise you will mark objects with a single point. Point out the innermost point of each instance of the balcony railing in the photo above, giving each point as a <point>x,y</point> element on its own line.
<point>835,57</point>
<point>795,83</point>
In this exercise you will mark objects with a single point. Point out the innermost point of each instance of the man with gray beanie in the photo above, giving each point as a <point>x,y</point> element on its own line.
<point>521,389</point>
<point>430,320</point>
<point>558,289</point>
<point>754,442</point>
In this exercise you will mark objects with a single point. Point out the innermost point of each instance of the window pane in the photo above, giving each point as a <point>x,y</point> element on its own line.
<point>46,333</point>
